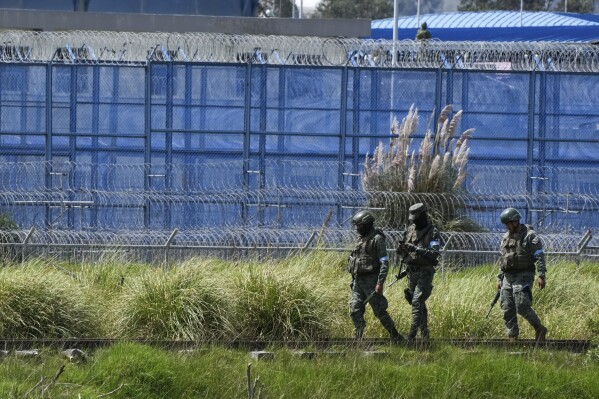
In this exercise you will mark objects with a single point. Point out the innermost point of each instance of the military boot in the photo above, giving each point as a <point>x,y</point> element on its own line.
<point>425,334</point>
<point>396,337</point>
<point>359,333</point>
<point>540,333</point>
<point>412,334</point>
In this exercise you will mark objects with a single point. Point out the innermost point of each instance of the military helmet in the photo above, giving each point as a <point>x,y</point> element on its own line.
<point>363,217</point>
<point>416,210</point>
<point>509,215</point>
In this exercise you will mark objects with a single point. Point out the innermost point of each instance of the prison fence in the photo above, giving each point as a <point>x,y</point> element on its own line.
<point>122,48</point>
<point>153,145</point>
<point>79,218</point>
<point>167,249</point>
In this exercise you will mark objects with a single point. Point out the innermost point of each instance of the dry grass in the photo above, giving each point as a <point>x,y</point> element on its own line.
<point>438,166</point>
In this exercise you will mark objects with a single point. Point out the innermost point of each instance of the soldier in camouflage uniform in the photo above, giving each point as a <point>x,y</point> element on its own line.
<point>420,251</point>
<point>521,250</point>
<point>368,265</point>
<point>423,33</point>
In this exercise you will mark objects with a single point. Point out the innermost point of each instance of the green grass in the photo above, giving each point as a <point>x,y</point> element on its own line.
<point>303,296</point>
<point>180,305</point>
<point>138,371</point>
<point>39,302</point>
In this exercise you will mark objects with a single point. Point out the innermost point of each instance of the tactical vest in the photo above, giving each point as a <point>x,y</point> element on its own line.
<point>517,257</point>
<point>363,259</point>
<point>420,238</point>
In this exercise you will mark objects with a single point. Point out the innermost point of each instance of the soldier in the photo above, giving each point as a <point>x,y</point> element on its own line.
<point>368,265</point>
<point>420,251</point>
<point>423,33</point>
<point>521,250</point>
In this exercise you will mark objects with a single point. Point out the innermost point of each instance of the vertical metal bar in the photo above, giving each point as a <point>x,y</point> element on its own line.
<point>23,109</point>
<point>246,138</point>
<point>48,141</point>
<point>438,95</point>
<point>542,144</point>
<point>355,143</point>
<point>73,136</point>
<point>113,128</point>
<point>148,139</point>
<point>465,98</point>
<point>374,105</point>
<point>531,137</point>
<point>449,87</point>
<point>342,137</point>
<point>189,179</point>
<point>203,99</point>
<point>168,178</point>
<point>542,123</point>
<point>202,138</point>
<point>281,125</point>
<point>556,131</point>
<point>73,112</point>
<point>262,144</point>
<point>94,150</point>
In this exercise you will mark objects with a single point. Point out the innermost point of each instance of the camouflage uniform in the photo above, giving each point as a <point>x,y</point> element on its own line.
<point>423,33</point>
<point>420,265</point>
<point>368,266</point>
<point>521,251</point>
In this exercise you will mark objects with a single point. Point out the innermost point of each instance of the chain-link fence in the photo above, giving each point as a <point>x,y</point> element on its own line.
<point>154,141</point>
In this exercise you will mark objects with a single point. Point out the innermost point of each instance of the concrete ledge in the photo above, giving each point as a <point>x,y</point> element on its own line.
<point>375,354</point>
<point>27,353</point>
<point>97,21</point>
<point>262,355</point>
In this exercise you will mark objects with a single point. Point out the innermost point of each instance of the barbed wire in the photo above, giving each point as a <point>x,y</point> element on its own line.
<point>272,174</point>
<point>282,208</point>
<point>459,249</point>
<point>73,195</point>
<point>116,48</point>
<point>331,239</point>
<point>78,210</point>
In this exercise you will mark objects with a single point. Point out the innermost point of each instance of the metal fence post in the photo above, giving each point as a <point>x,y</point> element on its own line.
<point>24,245</point>
<point>167,246</point>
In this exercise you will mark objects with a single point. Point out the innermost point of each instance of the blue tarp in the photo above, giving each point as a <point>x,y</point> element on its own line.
<point>504,26</point>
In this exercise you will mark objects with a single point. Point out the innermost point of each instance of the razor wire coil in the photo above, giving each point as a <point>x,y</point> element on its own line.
<point>119,48</point>
<point>71,213</point>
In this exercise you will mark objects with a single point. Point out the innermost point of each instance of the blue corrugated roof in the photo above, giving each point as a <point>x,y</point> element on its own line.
<point>496,26</point>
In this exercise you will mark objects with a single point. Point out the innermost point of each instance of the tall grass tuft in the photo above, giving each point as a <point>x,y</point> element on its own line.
<point>271,306</point>
<point>176,305</point>
<point>39,302</point>
<point>439,166</point>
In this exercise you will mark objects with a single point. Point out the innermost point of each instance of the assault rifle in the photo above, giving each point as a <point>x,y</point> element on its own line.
<point>493,302</point>
<point>400,262</point>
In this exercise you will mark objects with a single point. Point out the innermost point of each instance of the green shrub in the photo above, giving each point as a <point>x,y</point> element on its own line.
<point>177,305</point>
<point>37,303</point>
<point>278,308</point>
